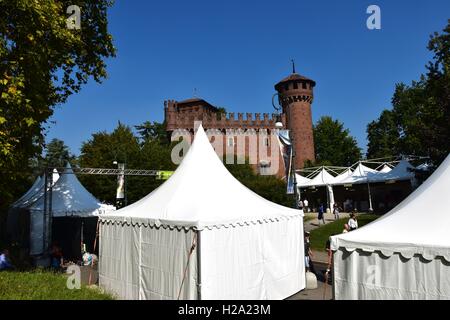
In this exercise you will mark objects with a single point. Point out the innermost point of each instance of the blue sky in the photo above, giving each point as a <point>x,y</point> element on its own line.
<point>234,52</point>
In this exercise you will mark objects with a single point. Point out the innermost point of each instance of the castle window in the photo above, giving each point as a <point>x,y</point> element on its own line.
<point>264,167</point>
<point>230,142</point>
<point>295,85</point>
<point>304,85</point>
<point>286,87</point>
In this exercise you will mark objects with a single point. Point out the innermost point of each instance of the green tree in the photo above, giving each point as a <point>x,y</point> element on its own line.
<point>418,123</point>
<point>268,187</point>
<point>57,154</point>
<point>42,62</point>
<point>101,151</point>
<point>152,131</point>
<point>334,145</point>
<point>123,146</point>
<point>383,136</point>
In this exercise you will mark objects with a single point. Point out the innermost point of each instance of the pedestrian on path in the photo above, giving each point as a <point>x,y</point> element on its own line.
<point>308,254</point>
<point>336,211</point>
<point>320,215</point>
<point>305,205</point>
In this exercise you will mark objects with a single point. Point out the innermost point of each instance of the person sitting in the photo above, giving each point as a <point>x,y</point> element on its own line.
<point>346,228</point>
<point>353,222</point>
<point>5,263</point>
<point>56,256</point>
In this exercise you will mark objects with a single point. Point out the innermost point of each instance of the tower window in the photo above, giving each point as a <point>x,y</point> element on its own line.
<point>295,85</point>
<point>286,87</point>
<point>304,85</point>
<point>231,142</point>
<point>264,167</point>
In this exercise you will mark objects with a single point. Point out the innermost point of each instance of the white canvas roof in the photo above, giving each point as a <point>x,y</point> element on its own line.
<point>323,178</point>
<point>301,180</point>
<point>202,193</point>
<point>399,172</point>
<point>35,192</point>
<point>70,198</point>
<point>37,185</point>
<point>385,169</point>
<point>359,175</point>
<point>418,225</point>
<point>341,177</point>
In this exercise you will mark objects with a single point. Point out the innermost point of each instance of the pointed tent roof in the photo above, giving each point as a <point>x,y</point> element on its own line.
<point>359,175</point>
<point>201,194</point>
<point>301,180</point>
<point>322,178</point>
<point>344,175</point>
<point>385,169</point>
<point>402,171</point>
<point>405,229</point>
<point>37,185</point>
<point>35,192</point>
<point>70,198</point>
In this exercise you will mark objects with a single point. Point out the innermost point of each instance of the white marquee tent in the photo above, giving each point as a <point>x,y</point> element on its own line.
<point>402,171</point>
<point>403,255</point>
<point>245,246</point>
<point>69,199</point>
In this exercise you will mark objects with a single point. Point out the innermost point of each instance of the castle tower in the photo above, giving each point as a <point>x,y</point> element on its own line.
<point>295,94</point>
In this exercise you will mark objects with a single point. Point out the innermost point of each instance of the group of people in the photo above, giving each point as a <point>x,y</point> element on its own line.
<point>351,225</point>
<point>303,204</point>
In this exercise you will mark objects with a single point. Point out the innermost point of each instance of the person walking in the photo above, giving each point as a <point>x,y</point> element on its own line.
<point>353,222</point>
<point>320,215</point>
<point>308,254</point>
<point>305,205</point>
<point>336,211</point>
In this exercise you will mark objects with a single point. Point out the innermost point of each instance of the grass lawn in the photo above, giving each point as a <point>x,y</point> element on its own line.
<point>319,236</point>
<point>43,285</point>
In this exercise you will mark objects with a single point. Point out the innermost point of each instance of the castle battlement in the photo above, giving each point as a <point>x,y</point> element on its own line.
<point>179,117</point>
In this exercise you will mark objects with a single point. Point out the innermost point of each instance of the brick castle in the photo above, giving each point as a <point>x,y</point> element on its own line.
<point>295,95</point>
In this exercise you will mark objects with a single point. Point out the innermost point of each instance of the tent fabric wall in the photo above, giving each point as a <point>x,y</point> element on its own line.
<point>142,262</point>
<point>414,241</point>
<point>262,261</point>
<point>36,232</point>
<point>373,276</point>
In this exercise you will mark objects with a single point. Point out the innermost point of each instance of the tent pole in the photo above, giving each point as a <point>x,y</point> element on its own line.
<point>50,215</point>
<point>199,266</point>
<point>370,197</point>
<point>44,216</point>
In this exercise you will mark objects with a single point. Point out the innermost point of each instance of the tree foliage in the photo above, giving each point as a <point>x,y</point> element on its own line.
<point>123,146</point>
<point>419,122</point>
<point>383,136</point>
<point>333,144</point>
<point>42,63</point>
<point>268,187</point>
<point>57,154</point>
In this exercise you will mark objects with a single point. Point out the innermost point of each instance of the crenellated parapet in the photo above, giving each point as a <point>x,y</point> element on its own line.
<point>177,118</point>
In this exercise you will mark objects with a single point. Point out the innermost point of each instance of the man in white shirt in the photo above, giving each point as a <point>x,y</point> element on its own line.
<point>305,206</point>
